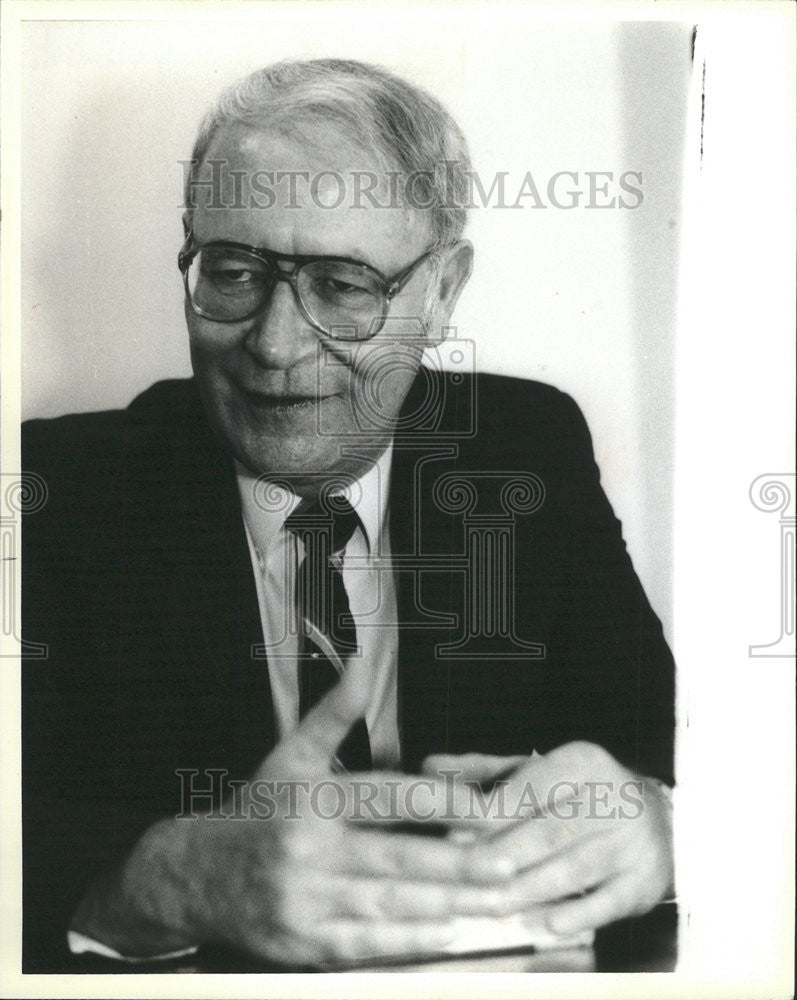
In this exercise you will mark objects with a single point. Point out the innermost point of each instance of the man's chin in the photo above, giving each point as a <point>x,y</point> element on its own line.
<point>303,467</point>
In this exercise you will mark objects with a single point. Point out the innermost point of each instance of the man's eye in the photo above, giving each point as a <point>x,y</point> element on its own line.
<point>340,289</point>
<point>231,274</point>
<point>236,276</point>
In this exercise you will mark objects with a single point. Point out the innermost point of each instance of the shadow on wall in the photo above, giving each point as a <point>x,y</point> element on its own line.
<point>655,62</point>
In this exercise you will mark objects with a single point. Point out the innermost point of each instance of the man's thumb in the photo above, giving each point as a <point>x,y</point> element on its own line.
<point>308,750</point>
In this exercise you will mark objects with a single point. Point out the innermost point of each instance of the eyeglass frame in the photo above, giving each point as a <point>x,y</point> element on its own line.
<point>390,286</point>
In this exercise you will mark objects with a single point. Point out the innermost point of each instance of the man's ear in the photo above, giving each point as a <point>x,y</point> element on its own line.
<point>455,269</point>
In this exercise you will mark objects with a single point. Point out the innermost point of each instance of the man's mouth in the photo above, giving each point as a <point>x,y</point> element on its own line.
<point>283,403</point>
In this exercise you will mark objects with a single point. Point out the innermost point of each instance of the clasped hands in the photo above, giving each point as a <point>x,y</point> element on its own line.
<point>314,867</point>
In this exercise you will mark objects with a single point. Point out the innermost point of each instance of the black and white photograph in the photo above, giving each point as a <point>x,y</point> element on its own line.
<point>398,499</point>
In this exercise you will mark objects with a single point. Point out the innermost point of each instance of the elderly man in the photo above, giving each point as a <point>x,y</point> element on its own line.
<point>274,594</point>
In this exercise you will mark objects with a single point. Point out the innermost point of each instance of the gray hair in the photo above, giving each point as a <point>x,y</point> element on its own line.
<point>397,123</point>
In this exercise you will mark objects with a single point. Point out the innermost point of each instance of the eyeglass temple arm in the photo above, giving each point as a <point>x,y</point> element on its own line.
<point>401,279</point>
<point>185,249</point>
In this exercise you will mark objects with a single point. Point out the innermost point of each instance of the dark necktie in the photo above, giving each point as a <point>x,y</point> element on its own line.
<point>327,633</point>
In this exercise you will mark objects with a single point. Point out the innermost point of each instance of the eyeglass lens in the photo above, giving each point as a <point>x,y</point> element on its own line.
<point>345,300</point>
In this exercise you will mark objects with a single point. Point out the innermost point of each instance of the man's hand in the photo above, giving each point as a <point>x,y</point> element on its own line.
<point>299,887</point>
<point>592,842</point>
<point>303,888</point>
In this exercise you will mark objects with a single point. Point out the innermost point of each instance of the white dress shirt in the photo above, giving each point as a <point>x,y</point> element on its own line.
<point>276,554</point>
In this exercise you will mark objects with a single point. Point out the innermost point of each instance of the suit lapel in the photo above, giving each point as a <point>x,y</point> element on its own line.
<point>422,680</point>
<point>426,583</point>
<point>449,703</point>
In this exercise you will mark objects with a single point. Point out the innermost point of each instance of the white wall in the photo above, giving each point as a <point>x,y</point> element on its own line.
<point>580,298</point>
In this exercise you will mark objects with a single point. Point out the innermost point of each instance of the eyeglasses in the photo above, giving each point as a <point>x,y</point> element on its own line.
<point>341,297</point>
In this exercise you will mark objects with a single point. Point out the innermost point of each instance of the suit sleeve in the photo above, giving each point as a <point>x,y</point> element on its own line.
<point>78,820</point>
<point>138,579</point>
<point>614,653</point>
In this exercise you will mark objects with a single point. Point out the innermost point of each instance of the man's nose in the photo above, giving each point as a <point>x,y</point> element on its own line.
<point>279,335</point>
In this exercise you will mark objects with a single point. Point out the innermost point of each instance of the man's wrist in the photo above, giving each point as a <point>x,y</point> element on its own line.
<point>663,788</point>
<point>141,912</point>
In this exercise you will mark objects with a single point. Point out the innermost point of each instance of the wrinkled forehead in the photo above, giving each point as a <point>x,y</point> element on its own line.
<point>307,189</point>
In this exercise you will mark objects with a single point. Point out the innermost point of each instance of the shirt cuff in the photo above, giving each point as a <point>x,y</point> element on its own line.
<point>80,944</point>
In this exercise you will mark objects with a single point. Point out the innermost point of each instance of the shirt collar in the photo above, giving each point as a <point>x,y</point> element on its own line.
<point>267,505</point>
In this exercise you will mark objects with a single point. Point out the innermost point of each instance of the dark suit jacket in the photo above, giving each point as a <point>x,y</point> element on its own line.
<point>138,578</point>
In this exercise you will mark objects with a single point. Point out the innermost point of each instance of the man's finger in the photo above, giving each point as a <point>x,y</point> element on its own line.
<point>538,838</point>
<point>385,798</point>
<point>559,773</point>
<point>541,782</point>
<point>308,750</point>
<point>584,865</point>
<point>354,940</point>
<point>523,788</point>
<point>612,901</point>
<point>379,853</point>
<point>572,762</point>
<point>389,899</point>
<point>472,766</point>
